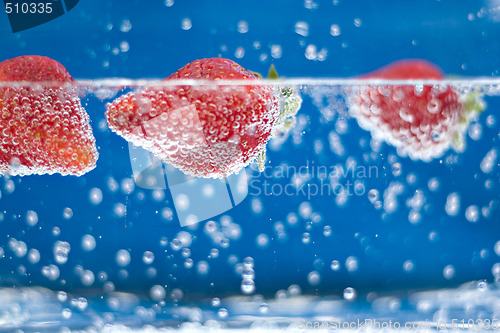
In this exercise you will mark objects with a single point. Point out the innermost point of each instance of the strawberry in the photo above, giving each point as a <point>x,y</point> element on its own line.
<point>44,128</point>
<point>205,130</point>
<point>421,121</point>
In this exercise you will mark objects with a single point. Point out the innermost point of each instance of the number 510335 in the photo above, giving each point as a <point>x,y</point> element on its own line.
<point>28,8</point>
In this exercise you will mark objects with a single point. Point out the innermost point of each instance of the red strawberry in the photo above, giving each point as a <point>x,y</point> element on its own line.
<point>421,121</point>
<point>44,128</point>
<point>205,130</point>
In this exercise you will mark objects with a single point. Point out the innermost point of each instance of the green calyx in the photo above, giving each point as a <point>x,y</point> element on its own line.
<point>289,106</point>
<point>473,105</point>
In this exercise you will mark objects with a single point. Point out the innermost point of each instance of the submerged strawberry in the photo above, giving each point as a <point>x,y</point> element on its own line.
<point>421,121</point>
<point>205,130</point>
<point>43,127</point>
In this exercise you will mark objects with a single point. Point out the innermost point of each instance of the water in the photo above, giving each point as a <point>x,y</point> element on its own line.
<point>337,228</point>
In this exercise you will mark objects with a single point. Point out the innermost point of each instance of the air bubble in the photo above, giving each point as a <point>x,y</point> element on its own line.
<point>186,24</point>
<point>157,293</point>
<point>314,278</point>
<point>31,218</point>
<point>33,256</point>
<point>87,278</point>
<point>124,46</point>
<point>449,272</point>
<point>239,53</point>
<point>302,28</point>
<point>373,195</point>
<point>482,286</point>
<point>66,313</point>
<point>472,213</point>
<point>408,266</point>
<point>242,27</point>
<point>148,257</point>
<point>67,213</point>
<point>263,308</point>
<point>262,241</point>
<point>349,294</point>
<point>222,313</point>
<point>215,302</point>
<point>95,196</point>
<point>202,268</point>
<point>335,30</point>
<point>352,264</point>
<point>276,51</point>
<point>452,206</point>
<point>247,286</point>
<point>61,252</point>
<point>125,26</point>
<point>122,258</point>
<point>88,243</point>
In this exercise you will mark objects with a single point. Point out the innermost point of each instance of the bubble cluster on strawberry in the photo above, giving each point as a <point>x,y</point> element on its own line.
<point>421,121</point>
<point>43,126</point>
<point>205,130</point>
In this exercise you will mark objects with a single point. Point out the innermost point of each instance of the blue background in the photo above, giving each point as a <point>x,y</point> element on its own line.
<point>462,37</point>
